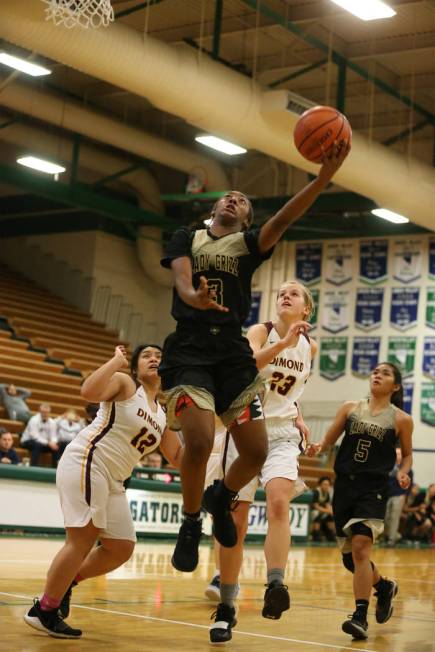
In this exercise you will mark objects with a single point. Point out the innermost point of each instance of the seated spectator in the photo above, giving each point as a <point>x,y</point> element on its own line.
<point>67,427</point>
<point>14,400</point>
<point>414,511</point>
<point>8,455</point>
<point>395,503</point>
<point>430,511</point>
<point>153,460</point>
<point>40,436</point>
<point>323,520</point>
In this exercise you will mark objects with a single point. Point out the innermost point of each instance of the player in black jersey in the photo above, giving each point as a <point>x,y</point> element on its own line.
<point>365,457</point>
<point>207,365</point>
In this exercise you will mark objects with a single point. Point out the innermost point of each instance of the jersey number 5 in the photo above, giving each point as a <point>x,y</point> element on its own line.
<point>281,383</point>
<point>362,450</point>
<point>142,440</point>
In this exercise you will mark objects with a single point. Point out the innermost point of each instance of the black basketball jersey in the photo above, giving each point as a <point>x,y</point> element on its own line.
<point>228,263</point>
<point>369,442</point>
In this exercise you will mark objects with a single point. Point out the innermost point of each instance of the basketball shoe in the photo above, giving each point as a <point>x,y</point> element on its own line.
<point>185,556</point>
<point>356,627</point>
<point>385,595</point>
<point>217,500</point>
<point>276,600</point>
<point>49,622</point>
<point>224,621</point>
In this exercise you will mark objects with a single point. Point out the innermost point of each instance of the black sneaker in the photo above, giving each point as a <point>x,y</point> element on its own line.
<point>218,504</point>
<point>213,590</point>
<point>224,621</point>
<point>65,604</point>
<point>50,622</point>
<point>355,627</point>
<point>185,557</point>
<point>384,606</point>
<point>276,600</point>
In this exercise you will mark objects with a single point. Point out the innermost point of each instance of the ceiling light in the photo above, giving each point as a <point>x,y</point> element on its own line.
<point>23,65</point>
<point>390,216</point>
<point>366,9</point>
<point>221,145</point>
<point>40,164</point>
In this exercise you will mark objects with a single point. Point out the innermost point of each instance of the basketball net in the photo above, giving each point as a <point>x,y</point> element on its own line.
<point>82,13</point>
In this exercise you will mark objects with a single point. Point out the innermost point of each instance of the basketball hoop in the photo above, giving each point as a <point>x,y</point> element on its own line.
<point>84,13</point>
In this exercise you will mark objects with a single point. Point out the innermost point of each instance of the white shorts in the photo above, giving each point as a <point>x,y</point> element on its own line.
<point>281,462</point>
<point>93,496</point>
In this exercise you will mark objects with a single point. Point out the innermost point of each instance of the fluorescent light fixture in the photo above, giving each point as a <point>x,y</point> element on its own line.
<point>40,164</point>
<point>221,145</point>
<point>366,9</point>
<point>390,216</point>
<point>23,65</point>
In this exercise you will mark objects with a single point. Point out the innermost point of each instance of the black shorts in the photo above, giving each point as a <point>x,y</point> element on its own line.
<point>358,496</point>
<point>216,358</point>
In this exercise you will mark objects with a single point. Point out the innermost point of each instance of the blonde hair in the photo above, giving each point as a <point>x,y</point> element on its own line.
<point>308,297</point>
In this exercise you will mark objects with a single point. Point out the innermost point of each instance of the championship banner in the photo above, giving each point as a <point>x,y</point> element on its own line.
<point>373,260</point>
<point>401,352</point>
<point>404,308</point>
<point>407,260</point>
<point>339,259</point>
<point>315,293</point>
<point>429,357</point>
<point>309,262</point>
<point>408,395</point>
<point>365,355</point>
<point>368,308</point>
<point>432,258</point>
<point>335,310</point>
<point>430,307</point>
<point>254,312</point>
<point>427,403</point>
<point>332,359</point>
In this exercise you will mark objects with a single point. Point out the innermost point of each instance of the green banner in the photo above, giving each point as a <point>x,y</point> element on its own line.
<point>401,352</point>
<point>332,359</point>
<point>430,307</point>
<point>315,293</point>
<point>427,403</point>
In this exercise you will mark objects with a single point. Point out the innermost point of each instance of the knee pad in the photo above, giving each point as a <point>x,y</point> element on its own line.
<point>363,529</point>
<point>348,561</point>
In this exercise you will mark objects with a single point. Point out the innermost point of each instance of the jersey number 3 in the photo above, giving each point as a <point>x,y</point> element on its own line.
<point>281,383</point>
<point>143,440</point>
<point>362,450</point>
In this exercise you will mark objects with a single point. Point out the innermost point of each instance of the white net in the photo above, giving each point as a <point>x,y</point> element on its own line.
<point>82,13</point>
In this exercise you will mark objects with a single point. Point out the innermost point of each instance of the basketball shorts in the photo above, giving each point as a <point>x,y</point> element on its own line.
<point>214,366</point>
<point>102,499</point>
<point>358,499</point>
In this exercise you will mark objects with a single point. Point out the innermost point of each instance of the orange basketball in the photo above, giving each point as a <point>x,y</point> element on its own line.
<point>318,128</point>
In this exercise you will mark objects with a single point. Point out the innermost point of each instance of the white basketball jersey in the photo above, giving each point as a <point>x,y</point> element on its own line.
<point>120,435</point>
<point>286,376</point>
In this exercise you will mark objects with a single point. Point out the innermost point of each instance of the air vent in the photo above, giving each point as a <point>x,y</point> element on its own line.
<point>298,104</point>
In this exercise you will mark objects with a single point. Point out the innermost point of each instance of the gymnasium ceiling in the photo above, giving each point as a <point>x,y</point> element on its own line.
<point>283,44</point>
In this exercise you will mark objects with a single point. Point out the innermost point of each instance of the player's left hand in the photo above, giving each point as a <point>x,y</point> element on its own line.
<point>403,479</point>
<point>302,426</point>
<point>332,162</point>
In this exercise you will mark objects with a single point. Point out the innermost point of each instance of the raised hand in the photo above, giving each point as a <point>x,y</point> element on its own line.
<point>332,162</point>
<point>121,356</point>
<point>298,328</point>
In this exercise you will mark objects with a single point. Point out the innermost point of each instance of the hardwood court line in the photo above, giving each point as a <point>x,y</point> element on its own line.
<point>185,624</point>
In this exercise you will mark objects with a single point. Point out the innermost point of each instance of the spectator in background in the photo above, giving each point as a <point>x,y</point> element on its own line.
<point>91,410</point>
<point>323,519</point>
<point>67,427</point>
<point>40,436</point>
<point>413,509</point>
<point>153,460</point>
<point>8,455</point>
<point>395,503</point>
<point>14,400</point>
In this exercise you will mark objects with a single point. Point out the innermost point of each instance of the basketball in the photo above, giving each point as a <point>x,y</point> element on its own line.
<point>317,129</point>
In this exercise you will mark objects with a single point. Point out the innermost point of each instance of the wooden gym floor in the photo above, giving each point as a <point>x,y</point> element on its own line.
<point>147,605</point>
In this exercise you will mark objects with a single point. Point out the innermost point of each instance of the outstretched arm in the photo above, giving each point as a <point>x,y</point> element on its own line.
<point>333,432</point>
<point>275,227</point>
<point>172,448</point>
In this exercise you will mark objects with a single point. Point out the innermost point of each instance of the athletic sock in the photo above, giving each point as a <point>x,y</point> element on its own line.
<point>275,574</point>
<point>229,594</point>
<point>361,609</point>
<point>48,604</point>
<point>195,516</point>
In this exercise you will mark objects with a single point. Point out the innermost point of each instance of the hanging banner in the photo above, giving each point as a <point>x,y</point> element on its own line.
<point>429,357</point>
<point>432,258</point>
<point>404,308</point>
<point>332,359</point>
<point>408,395</point>
<point>427,403</point>
<point>254,312</point>
<point>430,307</point>
<point>339,262</point>
<point>309,262</point>
<point>368,308</point>
<point>401,352</point>
<point>365,355</point>
<point>335,310</point>
<point>315,293</point>
<point>373,259</point>
<point>407,260</point>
